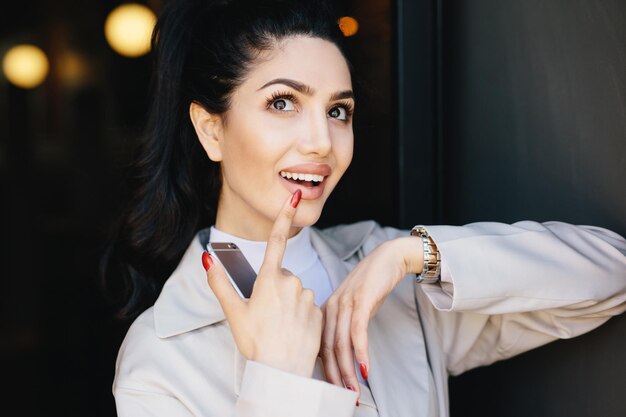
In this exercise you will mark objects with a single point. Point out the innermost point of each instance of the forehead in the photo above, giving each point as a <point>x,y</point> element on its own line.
<point>312,61</point>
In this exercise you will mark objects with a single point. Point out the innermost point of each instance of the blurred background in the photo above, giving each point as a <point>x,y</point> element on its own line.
<point>483,110</point>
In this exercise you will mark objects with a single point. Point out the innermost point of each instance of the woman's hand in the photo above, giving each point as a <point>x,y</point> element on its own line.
<point>279,325</point>
<point>348,311</point>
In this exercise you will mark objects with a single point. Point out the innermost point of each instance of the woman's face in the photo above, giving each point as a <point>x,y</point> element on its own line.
<point>291,117</point>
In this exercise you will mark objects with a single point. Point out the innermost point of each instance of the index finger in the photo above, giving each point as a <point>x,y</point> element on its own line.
<point>277,241</point>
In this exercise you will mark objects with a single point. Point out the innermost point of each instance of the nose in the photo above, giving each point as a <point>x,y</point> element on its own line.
<point>317,139</point>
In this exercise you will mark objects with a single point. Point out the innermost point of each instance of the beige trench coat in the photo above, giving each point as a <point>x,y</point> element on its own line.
<point>510,288</point>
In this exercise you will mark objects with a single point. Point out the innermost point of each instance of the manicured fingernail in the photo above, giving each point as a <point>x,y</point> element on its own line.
<point>295,198</point>
<point>207,261</point>
<point>363,370</point>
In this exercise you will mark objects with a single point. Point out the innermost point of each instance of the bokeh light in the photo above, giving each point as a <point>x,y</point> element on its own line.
<point>128,29</point>
<point>348,25</point>
<point>72,68</point>
<point>25,66</point>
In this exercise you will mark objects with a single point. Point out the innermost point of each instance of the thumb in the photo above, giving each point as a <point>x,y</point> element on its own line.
<point>220,285</point>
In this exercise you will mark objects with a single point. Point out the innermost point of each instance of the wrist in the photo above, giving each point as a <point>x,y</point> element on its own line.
<point>295,366</point>
<point>412,253</point>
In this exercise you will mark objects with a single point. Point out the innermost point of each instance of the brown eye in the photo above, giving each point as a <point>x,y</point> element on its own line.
<point>283,104</point>
<point>338,113</point>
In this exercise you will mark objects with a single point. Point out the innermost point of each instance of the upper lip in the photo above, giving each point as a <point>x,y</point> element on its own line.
<point>316,169</point>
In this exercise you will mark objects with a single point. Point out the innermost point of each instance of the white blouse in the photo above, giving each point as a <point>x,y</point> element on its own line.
<point>300,258</point>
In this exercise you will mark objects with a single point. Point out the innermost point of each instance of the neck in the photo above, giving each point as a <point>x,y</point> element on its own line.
<point>251,225</point>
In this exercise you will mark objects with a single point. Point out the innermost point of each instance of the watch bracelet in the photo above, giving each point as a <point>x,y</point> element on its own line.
<point>431,271</point>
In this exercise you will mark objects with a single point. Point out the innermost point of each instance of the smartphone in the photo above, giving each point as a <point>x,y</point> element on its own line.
<point>237,267</point>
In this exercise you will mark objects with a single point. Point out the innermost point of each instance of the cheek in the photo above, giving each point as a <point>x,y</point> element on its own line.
<point>251,154</point>
<point>343,149</point>
<point>238,150</point>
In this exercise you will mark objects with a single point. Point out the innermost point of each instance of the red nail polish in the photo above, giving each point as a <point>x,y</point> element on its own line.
<point>363,370</point>
<point>207,261</point>
<point>295,198</point>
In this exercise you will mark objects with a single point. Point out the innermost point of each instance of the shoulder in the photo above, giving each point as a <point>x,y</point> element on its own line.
<point>147,361</point>
<point>139,351</point>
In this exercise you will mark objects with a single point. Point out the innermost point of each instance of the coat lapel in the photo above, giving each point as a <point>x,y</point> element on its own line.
<point>186,301</point>
<point>399,371</point>
<point>399,375</point>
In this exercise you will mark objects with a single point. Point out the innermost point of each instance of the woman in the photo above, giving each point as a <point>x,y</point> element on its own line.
<point>251,130</point>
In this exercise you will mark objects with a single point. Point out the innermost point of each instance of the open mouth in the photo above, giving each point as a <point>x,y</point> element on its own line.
<point>307,180</point>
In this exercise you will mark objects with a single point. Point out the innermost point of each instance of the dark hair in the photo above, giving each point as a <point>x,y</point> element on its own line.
<point>202,51</point>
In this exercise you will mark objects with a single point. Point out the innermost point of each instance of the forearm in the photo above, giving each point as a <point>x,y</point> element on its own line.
<point>542,266</point>
<point>510,288</point>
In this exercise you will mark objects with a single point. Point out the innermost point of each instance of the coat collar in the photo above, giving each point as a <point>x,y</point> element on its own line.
<point>187,303</point>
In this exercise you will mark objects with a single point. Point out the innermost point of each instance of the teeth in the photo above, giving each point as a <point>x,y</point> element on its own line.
<point>302,177</point>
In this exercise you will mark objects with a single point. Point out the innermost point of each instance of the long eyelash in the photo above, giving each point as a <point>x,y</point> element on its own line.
<point>285,95</point>
<point>346,105</point>
<point>280,95</point>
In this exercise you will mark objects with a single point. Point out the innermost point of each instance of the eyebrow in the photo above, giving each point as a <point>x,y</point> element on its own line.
<point>307,90</point>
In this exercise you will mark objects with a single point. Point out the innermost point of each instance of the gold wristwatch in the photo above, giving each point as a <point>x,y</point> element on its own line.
<point>431,272</point>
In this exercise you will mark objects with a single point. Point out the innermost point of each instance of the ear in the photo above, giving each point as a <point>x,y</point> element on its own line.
<point>209,128</point>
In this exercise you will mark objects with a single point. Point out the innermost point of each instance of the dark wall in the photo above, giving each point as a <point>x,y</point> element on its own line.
<point>534,127</point>
<point>534,111</point>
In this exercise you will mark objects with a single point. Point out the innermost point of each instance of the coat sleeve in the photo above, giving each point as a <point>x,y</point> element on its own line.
<point>133,402</point>
<point>191,375</point>
<point>507,289</point>
<point>265,391</point>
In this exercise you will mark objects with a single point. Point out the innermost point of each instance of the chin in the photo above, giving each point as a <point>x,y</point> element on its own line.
<point>306,217</point>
